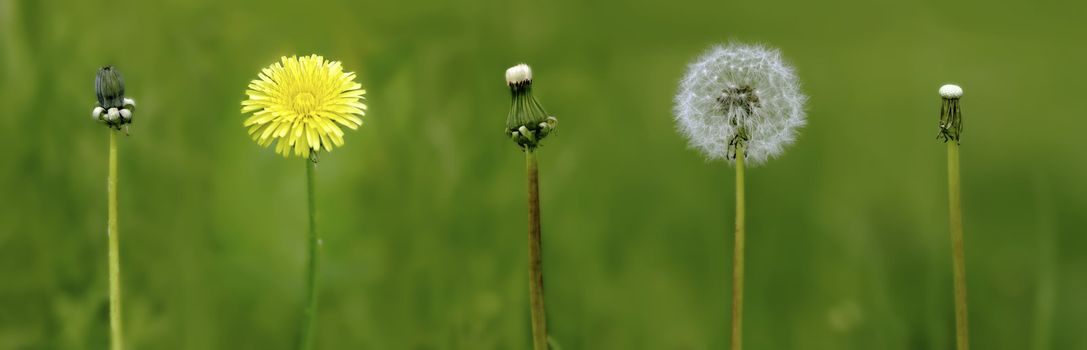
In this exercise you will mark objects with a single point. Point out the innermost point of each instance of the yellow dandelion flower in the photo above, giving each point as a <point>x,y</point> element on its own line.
<point>299,104</point>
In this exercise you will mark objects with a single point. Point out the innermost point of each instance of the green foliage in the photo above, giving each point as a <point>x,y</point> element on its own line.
<point>423,212</point>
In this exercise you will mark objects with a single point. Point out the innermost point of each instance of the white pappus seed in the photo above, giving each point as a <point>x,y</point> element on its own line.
<point>951,91</point>
<point>518,74</point>
<point>740,87</point>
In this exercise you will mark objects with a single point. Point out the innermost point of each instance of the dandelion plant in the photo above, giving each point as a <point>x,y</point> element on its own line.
<point>527,124</point>
<point>115,111</point>
<point>950,130</point>
<point>741,103</point>
<point>299,104</point>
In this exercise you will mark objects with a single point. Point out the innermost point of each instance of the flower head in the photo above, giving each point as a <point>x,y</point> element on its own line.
<point>950,113</point>
<point>300,103</point>
<point>740,95</point>
<point>113,108</point>
<point>527,123</point>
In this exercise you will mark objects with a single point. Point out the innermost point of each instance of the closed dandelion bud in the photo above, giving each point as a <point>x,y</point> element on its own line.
<point>109,86</point>
<point>113,107</point>
<point>950,113</point>
<point>527,122</point>
<point>740,95</point>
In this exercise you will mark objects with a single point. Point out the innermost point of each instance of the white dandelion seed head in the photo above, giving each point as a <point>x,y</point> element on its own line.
<point>97,113</point>
<point>951,91</point>
<point>518,74</point>
<point>126,115</point>
<point>740,87</point>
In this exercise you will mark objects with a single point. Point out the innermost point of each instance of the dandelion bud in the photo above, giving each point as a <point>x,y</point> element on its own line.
<point>113,108</point>
<point>527,121</point>
<point>109,87</point>
<point>950,113</point>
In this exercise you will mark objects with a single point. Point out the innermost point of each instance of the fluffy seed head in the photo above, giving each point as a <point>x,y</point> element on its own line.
<point>739,93</point>
<point>518,74</point>
<point>950,91</point>
<point>300,103</point>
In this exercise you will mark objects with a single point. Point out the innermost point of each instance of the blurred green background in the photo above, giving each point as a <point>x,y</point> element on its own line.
<point>423,211</point>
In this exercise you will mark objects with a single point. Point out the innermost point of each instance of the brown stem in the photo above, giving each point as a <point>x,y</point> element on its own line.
<point>535,266</point>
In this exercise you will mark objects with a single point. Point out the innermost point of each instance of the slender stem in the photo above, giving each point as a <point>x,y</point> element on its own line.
<point>962,337</point>
<point>535,266</point>
<point>738,255</point>
<point>116,340</point>
<point>313,266</point>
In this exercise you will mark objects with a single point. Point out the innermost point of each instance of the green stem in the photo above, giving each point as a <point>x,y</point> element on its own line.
<point>738,255</point>
<point>116,340</point>
<point>962,337</point>
<point>312,267</point>
<point>535,266</point>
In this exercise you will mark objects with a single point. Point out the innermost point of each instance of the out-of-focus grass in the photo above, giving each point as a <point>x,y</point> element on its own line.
<point>423,210</point>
